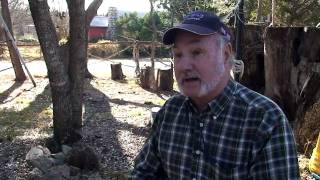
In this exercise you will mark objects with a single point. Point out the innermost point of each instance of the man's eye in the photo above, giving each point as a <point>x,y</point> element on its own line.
<point>196,52</point>
<point>177,55</point>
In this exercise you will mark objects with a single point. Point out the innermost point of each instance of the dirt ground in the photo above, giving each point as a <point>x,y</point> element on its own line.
<point>116,116</point>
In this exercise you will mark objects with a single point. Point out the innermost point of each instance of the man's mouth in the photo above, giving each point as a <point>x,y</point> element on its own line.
<point>191,79</point>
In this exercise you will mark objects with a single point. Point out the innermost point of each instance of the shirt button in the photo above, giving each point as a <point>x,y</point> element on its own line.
<point>197,152</point>
<point>214,117</point>
<point>201,124</point>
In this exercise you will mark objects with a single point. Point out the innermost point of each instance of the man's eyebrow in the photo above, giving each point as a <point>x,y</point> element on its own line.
<point>192,41</point>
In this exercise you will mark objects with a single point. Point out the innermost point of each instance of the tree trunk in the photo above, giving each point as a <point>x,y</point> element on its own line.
<point>292,71</point>
<point>136,54</point>
<point>58,77</point>
<point>259,9</point>
<point>252,46</point>
<point>90,13</point>
<point>77,58</point>
<point>273,12</point>
<point>65,67</point>
<point>20,75</point>
<point>153,46</point>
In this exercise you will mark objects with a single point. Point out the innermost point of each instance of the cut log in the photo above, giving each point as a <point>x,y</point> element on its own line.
<point>292,61</point>
<point>116,71</point>
<point>165,79</point>
<point>145,74</point>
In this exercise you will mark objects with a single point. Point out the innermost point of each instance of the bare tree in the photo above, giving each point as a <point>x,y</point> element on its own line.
<point>153,45</point>
<point>65,66</point>
<point>259,9</point>
<point>90,13</point>
<point>273,13</point>
<point>20,75</point>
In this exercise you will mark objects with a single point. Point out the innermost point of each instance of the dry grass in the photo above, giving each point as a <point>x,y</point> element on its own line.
<point>27,52</point>
<point>103,49</point>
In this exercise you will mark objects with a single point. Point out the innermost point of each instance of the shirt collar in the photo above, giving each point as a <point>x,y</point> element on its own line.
<point>219,102</point>
<point>223,99</point>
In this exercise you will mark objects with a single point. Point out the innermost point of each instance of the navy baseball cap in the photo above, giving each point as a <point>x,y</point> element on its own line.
<point>200,23</point>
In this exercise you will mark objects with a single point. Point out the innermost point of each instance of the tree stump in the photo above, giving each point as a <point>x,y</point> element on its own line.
<point>145,75</point>
<point>165,79</point>
<point>292,72</point>
<point>116,71</point>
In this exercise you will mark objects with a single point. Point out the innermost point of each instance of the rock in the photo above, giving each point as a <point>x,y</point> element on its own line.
<point>95,176</point>
<point>58,158</point>
<point>39,157</point>
<point>36,174</point>
<point>83,157</point>
<point>37,152</point>
<point>43,163</point>
<point>61,172</point>
<point>53,145</point>
<point>66,149</point>
<point>74,171</point>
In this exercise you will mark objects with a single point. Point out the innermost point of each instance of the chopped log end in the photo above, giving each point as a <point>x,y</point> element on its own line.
<point>116,72</point>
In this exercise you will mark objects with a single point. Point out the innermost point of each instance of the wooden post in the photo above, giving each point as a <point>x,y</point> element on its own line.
<point>135,54</point>
<point>116,71</point>
<point>8,34</point>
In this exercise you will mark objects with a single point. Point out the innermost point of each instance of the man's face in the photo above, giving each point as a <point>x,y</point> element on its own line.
<point>200,63</point>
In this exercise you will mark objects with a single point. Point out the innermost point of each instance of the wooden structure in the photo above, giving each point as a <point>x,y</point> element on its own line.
<point>98,28</point>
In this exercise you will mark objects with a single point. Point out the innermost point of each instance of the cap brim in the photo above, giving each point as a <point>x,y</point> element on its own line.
<point>169,35</point>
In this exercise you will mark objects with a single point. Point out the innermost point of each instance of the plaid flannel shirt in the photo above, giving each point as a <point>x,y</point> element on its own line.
<point>241,135</point>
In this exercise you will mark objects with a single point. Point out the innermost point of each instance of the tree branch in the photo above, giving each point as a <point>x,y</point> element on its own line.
<point>92,11</point>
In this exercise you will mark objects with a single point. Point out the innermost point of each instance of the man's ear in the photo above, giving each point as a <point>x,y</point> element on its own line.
<point>227,53</point>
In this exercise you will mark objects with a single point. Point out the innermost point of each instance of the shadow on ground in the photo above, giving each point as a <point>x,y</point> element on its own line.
<point>14,123</point>
<point>102,131</point>
<point>5,94</point>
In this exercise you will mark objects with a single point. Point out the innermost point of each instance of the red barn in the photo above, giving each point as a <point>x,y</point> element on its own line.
<point>98,28</point>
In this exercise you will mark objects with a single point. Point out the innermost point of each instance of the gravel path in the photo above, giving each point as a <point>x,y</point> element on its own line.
<point>116,116</point>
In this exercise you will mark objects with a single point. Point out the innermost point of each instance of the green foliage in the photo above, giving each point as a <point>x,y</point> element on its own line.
<point>288,13</point>
<point>140,28</point>
<point>299,12</point>
<point>129,25</point>
<point>179,8</point>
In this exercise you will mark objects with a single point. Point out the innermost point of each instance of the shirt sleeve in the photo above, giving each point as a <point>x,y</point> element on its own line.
<point>274,153</point>
<point>147,163</point>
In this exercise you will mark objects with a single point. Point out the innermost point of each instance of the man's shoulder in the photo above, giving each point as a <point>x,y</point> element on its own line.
<point>176,100</point>
<point>255,100</point>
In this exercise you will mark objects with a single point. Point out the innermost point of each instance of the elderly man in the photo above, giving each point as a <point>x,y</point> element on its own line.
<point>216,128</point>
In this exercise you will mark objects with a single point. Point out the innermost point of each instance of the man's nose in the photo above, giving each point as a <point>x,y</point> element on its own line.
<point>185,63</point>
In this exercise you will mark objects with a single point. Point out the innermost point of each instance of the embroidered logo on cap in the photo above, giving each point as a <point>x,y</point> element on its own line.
<point>194,16</point>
